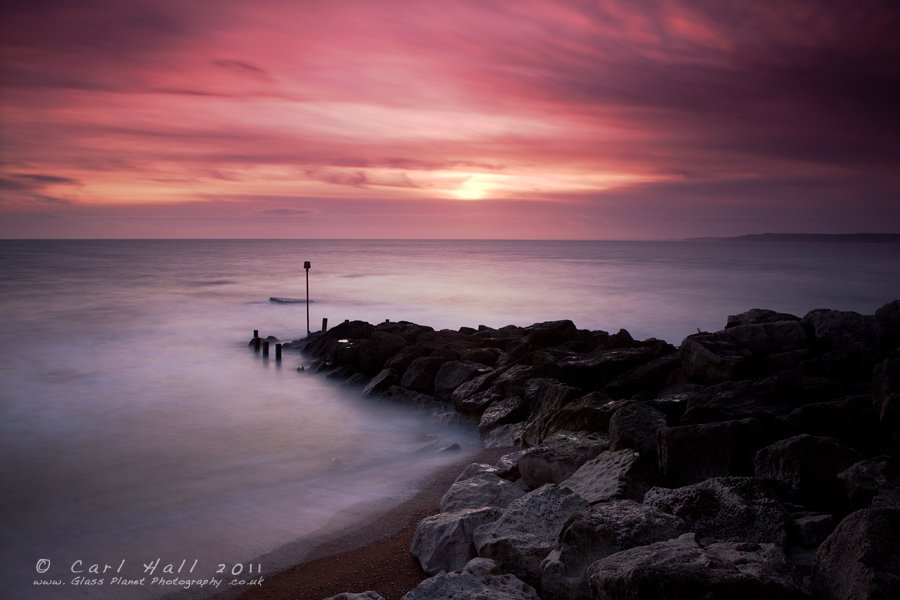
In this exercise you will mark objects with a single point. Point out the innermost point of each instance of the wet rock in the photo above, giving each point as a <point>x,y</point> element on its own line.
<point>886,394</point>
<point>588,413</point>
<point>712,358</point>
<point>381,383</point>
<point>596,533</point>
<point>421,373</point>
<point>805,469</point>
<point>508,465</point>
<point>693,453</point>
<point>559,457</point>
<point>682,569</point>
<point>474,386</point>
<point>635,426</point>
<point>861,559</point>
<point>480,579</point>
<point>453,374</point>
<point>476,405</point>
<point>764,339</point>
<point>477,469</point>
<point>834,329</point>
<point>528,530</point>
<point>616,475</point>
<point>650,377</point>
<point>503,412</point>
<point>725,508</point>
<point>544,397</point>
<point>479,491</point>
<point>503,436</point>
<point>873,483</point>
<point>443,542</point>
<point>755,316</point>
<point>401,361</point>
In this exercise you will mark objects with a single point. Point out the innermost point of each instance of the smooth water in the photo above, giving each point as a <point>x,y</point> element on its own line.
<point>135,423</point>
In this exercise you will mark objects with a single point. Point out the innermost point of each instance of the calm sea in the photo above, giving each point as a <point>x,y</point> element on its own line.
<point>136,425</point>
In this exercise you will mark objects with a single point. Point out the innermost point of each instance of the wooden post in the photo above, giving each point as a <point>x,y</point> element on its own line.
<point>255,333</point>
<point>307,266</point>
<point>325,324</point>
<point>266,349</point>
<point>256,343</point>
<point>277,351</point>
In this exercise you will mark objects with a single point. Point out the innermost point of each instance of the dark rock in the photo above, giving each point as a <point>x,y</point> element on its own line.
<point>467,330</point>
<point>596,533</point>
<point>650,377</point>
<point>443,542</point>
<point>784,361</point>
<point>755,316</point>
<point>503,436</point>
<point>558,458</point>
<point>588,413</point>
<point>514,381</point>
<point>811,529</point>
<point>528,531</point>
<point>861,559</point>
<point>477,404</point>
<point>516,352</point>
<point>805,469</point>
<point>889,316</point>
<point>384,346</point>
<point>735,400</point>
<point>682,569</point>
<point>508,465</point>
<point>483,356</point>
<point>343,372</point>
<point>873,483</point>
<point>474,386</point>
<point>480,579</point>
<point>349,330</point>
<point>635,426</point>
<point>595,370</point>
<point>545,398</point>
<point>421,373</point>
<point>358,380</point>
<point>415,399</point>
<point>476,469</point>
<point>381,382</point>
<point>693,453</point>
<point>453,374</point>
<point>481,490</point>
<point>445,338</point>
<point>843,363</point>
<point>886,394</point>
<point>851,420</point>
<point>618,341</point>
<point>769,338</point>
<point>712,358</point>
<point>616,475</point>
<point>725,508</point>
<point>401,361</point>
<point>546,338</point>
<point>369,595</point>
<point>835,329</point>
<point>502,412</point>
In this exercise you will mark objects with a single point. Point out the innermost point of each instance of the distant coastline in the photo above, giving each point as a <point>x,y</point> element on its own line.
<point>818,238</point>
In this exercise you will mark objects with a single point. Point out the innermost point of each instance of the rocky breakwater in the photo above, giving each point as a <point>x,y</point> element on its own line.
<point>759,461</point>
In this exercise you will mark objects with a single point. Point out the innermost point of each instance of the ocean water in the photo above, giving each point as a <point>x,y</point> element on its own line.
<point>136,425</point>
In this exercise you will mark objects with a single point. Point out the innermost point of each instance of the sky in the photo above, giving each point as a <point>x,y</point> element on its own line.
<point>490,119</point>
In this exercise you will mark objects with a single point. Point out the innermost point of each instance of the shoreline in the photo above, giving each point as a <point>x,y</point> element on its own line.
<point>373,555</point>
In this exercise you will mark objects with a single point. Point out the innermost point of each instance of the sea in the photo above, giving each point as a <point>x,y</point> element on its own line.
<point>146,450</point>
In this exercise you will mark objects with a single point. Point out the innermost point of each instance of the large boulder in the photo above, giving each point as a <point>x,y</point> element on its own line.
<point>481,579</point>
<point>886,394</point>
<point>501,412</point>
<point>559,457</point>
<point>805,470</point>
<point>593,371</point>
<point>381,383</point>
<point>384,346</point>
<point>616,475</point>
<point>545,397</point>
<point>733,400</point>
<point>861,559</point>
<point>873,483</point>
<point>715,357</point>
<point>889,315</point>
<point>421,373</point>
<point>649,378</point>
<point>591,412</point>
<point>682,569</point>
<point>453,374</point>
<point>443,542</point>
<point>395,393</point>
<point>635,426</point>
<point>755,316</point>
<point>514,380</point>
<point>725,508</point>
<point>475,385</point>
<point>596,533</point>
<point>764,339</point>
<point>400,362</point>
<point>476,404</point>
<point>835,329</point>
<point>504,436</point>
<point>851,419</point>
<point>528,530</point>
<point>693,453</point>
<point>475,469</point>
<point>486,489</point>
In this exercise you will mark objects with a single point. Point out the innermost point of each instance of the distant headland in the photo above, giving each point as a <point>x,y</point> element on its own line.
<point>818,238</point>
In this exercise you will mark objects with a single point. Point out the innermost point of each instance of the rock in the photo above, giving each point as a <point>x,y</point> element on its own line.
<point>755,316</point>
<point>477,469</point>
<point>588,413</point>
<point>545,397</point>
<point>616,475</point>
<point>484,356</point>
<point>650,377</point>
<point>889,316</point>
<point>844,363</point>
<point>479,580</point>
<point>502,412</point>
<point>635,426</point>
<point>384,346</point>
<point>453,374</point>
<point>401,361</point>
<point>558,458</point>
<point>886,394</point>
<point>593,371</point>
<point>693,453</point>
<point>504,436</point>
<point>508,465</point>
<point>474,386</point>
<point>357,380</point>
<point>764,339</point>
<point>477,404</point>
<point>443,542</point>
<point>873,483</point>
<point>362,596</point>
<point>682,569</point>
<point>851,420</point>
<point>514,381</point>
<point>415,399</point>
<point>861,559</point>
<point>783,361</point>
<point>479,491</point>
<point>381,382</point>
<point>528,530</point>
<point>725,508</point>
<point>834,329</point>
<point>421,373</point>
<point>811,529</point>
<point>596,533</point>
<point>805,469</point>
<point>343,372</point>
<point>712,358</point>
<point>733,400</point>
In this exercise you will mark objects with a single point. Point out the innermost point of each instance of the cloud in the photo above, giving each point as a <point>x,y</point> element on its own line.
<point>286,211</point>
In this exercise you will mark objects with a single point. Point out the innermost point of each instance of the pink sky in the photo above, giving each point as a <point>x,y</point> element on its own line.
<point>636,119</point>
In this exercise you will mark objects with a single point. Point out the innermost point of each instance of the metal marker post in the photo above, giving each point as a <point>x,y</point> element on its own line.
<point>306,266</point>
